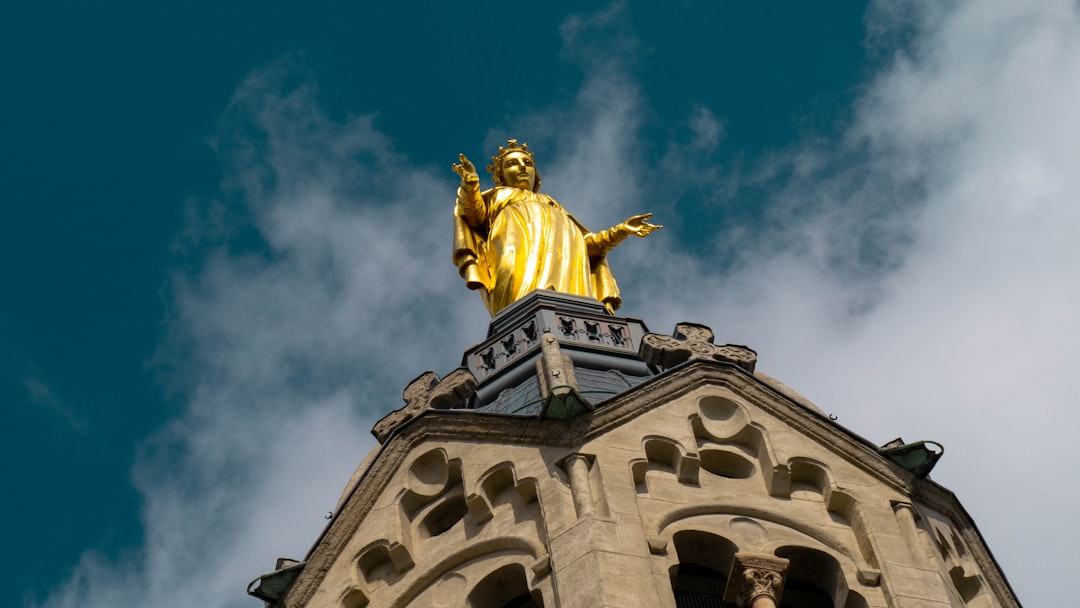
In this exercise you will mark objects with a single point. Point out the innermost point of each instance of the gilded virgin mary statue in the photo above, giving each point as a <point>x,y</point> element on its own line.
<point>511,239</point>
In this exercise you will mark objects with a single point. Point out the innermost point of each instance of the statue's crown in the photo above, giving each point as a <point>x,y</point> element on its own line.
<point>496,160</point>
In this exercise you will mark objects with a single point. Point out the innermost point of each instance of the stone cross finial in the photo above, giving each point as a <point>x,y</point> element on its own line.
<point>427,392</point>
<point>693,341</point>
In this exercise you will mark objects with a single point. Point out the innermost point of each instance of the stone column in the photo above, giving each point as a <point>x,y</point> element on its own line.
<point>756,581</point>
<point>577,466</point>
<point>905,517</point>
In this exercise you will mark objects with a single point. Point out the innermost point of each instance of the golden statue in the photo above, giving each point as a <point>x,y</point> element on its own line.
<point>511,240</point>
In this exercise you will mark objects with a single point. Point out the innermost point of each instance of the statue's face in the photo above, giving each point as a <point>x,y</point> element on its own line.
<point>518,171</point>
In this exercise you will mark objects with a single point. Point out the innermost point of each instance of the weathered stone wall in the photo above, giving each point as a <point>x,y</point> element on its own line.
<point>662,484</point>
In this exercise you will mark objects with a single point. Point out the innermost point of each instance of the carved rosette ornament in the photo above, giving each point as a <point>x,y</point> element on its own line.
<point>756,581</point>
<point>427,392</point>
<point>693,341</point>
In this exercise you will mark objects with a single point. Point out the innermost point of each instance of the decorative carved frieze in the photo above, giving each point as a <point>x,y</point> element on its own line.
<point>595,331</point>
<point>427,391</point>
<point>693,341</point>
<point>501,351</point>
<point>506,348</point>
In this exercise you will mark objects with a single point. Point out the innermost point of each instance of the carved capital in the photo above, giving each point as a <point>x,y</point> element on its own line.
<point>692,341</point>
<point>427,391</point>
<point>755,577</point>
<point>758,583</point>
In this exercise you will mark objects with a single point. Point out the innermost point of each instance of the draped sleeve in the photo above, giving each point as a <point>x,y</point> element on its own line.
<point>509,242</point>
<point>470,234</point>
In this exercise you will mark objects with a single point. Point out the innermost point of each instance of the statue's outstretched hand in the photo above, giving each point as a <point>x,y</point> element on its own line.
<point>637,225</point>
<point>469,178</point>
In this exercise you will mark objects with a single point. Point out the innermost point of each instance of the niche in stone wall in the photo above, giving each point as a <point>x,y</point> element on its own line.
<point>699,577</point>
<point>443,517</point>
<point>962,571</point>
<point>733,446</point>
<point>506,587</point>
<point>815,580</point>
<point>499,489</point>
<point>382,561</point>
<point>726,463</point>
<point>430,477</point>
<point>664,458</point>
<point>809,480</point>
<point>354,598</point>
<point>434,494</point>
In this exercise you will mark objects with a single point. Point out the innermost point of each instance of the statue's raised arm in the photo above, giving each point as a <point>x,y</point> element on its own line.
<point>637,225</point>
<point>511,239</point>
<point>467,171</point>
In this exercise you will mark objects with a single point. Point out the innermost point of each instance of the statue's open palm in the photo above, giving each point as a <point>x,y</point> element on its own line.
<point>637,225</point>
<point>467,171</point>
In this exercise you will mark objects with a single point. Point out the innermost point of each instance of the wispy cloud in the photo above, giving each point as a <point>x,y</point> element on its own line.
<point>917,277</point>
<point>317,287</point>
<point>40,393</point>
<point>313,290</point>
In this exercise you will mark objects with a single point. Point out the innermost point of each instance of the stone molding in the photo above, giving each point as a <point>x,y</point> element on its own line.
<point>434,425</point>
<point>596,332</point>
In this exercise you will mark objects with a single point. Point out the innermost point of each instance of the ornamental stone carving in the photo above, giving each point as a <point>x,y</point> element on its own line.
<point>756,581</point>
<point>427,391</point>
<point>693,341</point>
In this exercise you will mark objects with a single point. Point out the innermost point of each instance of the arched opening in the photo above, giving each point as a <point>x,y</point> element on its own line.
<point>698,580</point>
<point>354,598</point>
<point>809,481</point>
<point>814,579</point>
<point>375,564</point>
<point>726,463</point>
<point>506,587</point>
<point>444,516</point>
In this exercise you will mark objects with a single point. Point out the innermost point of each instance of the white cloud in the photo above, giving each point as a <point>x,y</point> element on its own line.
<point>917,279</point>
<point>322,284</point>
<point>327,288</point>
<point>920,279</point>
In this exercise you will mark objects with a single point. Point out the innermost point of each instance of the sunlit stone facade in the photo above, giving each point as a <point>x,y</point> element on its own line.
<point>700,483</point>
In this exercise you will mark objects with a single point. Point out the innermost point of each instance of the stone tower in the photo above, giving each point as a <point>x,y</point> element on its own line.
<point>577,460</point>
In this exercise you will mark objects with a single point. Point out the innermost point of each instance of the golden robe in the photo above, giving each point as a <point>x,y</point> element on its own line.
<point>509,242</point>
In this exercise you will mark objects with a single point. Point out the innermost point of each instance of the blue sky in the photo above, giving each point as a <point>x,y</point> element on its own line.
<point>226,246</point>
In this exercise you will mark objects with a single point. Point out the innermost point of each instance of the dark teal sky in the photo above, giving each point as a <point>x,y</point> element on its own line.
<point>107,123</point>
<point>119,127</point>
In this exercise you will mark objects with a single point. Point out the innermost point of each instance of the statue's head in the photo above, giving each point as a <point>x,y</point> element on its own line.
<point>514,166</point>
